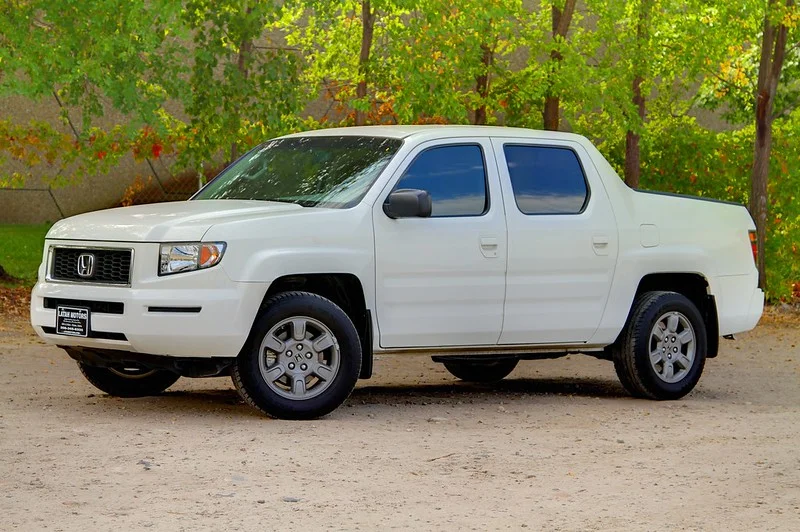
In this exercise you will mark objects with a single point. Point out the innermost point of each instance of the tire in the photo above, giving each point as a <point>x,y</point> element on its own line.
<point>492,371</point>
<point>678,357</point>
<point>121,382</point>
<point>270,368</point>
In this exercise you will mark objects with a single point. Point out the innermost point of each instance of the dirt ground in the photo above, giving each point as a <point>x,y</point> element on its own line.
<point>556,446</point>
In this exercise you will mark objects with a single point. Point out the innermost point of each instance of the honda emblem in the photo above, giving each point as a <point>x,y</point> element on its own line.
<point>86,265</point>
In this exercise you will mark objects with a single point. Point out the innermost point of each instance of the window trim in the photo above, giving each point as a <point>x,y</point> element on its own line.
<point>555,146</point>
<point>488,203</point>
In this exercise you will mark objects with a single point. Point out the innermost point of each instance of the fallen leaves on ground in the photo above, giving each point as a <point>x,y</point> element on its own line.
<point>781,314</point>
<point>15,302</point>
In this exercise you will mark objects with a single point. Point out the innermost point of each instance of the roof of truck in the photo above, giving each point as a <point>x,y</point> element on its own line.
<point>439,131</point>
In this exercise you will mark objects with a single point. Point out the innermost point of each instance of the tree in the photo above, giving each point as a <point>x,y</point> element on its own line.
<point>367,32</point>
<point>779,16</point>
<point>559,49</point>
<point>459,53</point>
<point>134,58</point>
<point>83,54</point>
<point>90,58</point>
<point>344,46</point>
<point>645,58</point>
<point>562,17</point>
<point>633,165</point>
<point>757,80</point>
<point>244,85</point>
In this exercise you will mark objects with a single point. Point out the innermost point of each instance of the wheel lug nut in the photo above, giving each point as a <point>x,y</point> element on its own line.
<point>299,347</point>
<point>674,349</point>
<point>308,355</point>
<point>303,367</point>
<point>288,353</point>
<point>291,365</point>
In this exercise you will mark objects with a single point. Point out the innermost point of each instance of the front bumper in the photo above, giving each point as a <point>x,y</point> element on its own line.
<point>219,329</point>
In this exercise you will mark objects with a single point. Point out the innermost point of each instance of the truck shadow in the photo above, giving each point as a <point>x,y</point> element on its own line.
<point>511,388</point>
<point>219,401</point>
<point>227,401</point>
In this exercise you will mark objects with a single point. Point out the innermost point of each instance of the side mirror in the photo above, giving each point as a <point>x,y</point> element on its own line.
<point>408,203</point>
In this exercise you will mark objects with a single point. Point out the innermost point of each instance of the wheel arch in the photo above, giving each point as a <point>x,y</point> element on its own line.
<point>693,286</point>
<point>343,289</point>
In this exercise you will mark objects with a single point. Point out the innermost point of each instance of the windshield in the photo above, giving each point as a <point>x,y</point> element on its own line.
<point>333,172</point>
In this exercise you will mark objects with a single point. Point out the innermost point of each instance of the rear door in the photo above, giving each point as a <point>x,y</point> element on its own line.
<point>440,281</point>
<point>562,242</point>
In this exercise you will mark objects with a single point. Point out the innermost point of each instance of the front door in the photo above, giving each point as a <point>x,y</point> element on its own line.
<point>440,281</point>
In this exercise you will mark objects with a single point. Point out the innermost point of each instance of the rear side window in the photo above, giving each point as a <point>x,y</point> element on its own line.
<point>454,176</point>
<point>546,180</point>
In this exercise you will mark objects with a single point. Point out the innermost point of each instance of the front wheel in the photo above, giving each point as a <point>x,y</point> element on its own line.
<point>128,381</point>
<point>302,359</point>
<point>491,371</point>
<point>662,351</point>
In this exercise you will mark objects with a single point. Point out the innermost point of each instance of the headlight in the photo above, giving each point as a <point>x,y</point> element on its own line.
<point>177,258</point>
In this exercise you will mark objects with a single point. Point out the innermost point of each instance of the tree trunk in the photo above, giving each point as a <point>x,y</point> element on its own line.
<point>367,28</point>
<point>5,276</point>
<point>242,63</point>
<point>561,22</point>
<point>633,165</point>
<point>773,50</point>
<point>482,83</point>
<point>244,49</point>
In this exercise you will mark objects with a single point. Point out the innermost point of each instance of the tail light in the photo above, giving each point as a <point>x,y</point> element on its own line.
<point>754,246</point>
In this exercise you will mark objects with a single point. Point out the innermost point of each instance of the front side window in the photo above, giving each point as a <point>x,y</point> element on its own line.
<point>332,172</point>
<point>546,180</point>
<point>454,176</point>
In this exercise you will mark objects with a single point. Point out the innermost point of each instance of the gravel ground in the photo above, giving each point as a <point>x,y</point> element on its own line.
<point>556,446</point>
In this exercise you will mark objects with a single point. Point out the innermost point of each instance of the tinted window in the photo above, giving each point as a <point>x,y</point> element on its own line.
<point>546,180</point>
<point>333,172</point>
<point>454,176</point>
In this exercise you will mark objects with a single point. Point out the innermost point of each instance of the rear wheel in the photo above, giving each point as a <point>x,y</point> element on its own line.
<point>302,359</point>
<point>128,381</point>
<point>662,351</point>
<point>489,371</point>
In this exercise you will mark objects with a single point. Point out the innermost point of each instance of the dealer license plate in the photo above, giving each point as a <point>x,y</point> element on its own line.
<point>72,321</point>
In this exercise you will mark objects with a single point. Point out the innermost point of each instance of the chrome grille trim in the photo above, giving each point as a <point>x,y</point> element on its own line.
<point>51,255</point>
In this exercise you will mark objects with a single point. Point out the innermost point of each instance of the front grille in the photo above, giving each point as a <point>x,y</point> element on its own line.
<point>111,266</point>
<point>97,307</point>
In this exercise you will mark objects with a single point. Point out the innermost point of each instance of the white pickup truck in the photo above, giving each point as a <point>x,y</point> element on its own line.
<point>480,246</point>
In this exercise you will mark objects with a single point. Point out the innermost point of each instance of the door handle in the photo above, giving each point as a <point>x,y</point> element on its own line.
<point>489,247</point>
<point>600,244</point>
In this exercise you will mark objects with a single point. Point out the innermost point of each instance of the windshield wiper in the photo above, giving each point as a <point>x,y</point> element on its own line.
<point>276,200</point>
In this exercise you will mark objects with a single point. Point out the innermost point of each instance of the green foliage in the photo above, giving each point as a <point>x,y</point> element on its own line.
<point>328,36</point>
<point>443,50</point>
<point>732,87</point>
<point>22,249</point>
<point>94,55</point>
<point>243,86</point>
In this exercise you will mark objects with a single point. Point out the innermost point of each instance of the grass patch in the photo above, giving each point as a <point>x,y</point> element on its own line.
<point>21,249</point>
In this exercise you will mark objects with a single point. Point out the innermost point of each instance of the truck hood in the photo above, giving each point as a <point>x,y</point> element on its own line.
<point>181,221</point>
